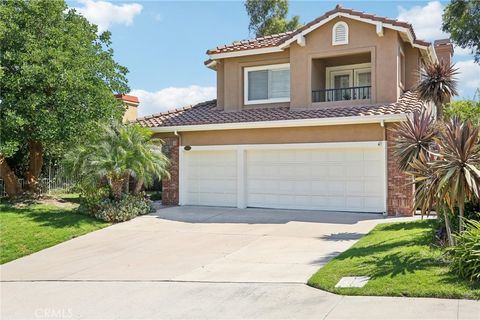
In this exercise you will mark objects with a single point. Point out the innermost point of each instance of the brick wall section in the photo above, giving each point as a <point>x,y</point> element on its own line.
<point>400,190</point>
<point>170,185</point>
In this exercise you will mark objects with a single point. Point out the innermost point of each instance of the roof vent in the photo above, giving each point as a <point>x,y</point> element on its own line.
<point>340,33</point>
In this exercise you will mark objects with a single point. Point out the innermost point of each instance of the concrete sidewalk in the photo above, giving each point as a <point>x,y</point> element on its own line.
<point>196,300</point>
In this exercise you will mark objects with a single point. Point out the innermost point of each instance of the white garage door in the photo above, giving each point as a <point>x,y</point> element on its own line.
<point>343,179</point>
<point>210,178</point>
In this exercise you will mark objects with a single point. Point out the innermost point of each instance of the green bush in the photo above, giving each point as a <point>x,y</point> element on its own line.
<point>111,210</point>
<point>466,253</point>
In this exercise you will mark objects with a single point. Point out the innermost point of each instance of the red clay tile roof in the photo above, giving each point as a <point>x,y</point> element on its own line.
<point>207,113</point>
<point>278,39</point>
<point>127,98</point>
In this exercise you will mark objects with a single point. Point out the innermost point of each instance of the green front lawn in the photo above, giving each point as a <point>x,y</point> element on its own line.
<point>27,228</point>
<point>401,261</point>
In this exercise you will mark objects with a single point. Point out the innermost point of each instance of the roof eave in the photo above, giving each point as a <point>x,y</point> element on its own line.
<point>428,49</point>
<point>286,123</point>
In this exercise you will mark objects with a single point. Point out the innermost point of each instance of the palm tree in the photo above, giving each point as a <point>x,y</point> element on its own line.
<point>145,158</point>
<point>118,152</point>
<point>437,84</point>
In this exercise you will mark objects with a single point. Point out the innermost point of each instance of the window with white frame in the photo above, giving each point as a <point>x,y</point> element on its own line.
<point>340,33</point>
<point>267,84</point>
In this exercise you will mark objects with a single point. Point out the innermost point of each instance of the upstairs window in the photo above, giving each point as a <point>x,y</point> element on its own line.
<point>340,33</point>
<point>267,84</point>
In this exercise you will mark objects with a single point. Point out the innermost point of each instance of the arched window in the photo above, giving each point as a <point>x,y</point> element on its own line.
<point>340,33</point>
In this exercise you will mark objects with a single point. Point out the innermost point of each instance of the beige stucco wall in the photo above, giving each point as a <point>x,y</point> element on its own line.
<point>231,93</point>
<point>338,133</point>
<point>131,113</point>
<point>363,40</point>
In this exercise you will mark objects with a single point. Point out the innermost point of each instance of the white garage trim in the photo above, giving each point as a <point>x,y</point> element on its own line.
<point>241,162</point>
<point>323,145</point>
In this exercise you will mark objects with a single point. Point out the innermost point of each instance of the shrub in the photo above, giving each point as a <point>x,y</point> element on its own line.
<point>472,212</point>
<point>113,210</point>
<point>466,253</point>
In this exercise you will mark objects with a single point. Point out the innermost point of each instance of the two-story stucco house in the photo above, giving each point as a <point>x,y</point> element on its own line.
<point>302,119</point>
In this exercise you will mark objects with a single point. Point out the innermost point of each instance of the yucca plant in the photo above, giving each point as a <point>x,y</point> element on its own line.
<point>444,160</point>
<point>415,138</point>
<point>437,84</point>
<point>457,164</point>
<point>427,197</point>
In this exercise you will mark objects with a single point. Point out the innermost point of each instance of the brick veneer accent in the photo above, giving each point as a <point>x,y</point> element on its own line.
<point>170,190</point>
<point>400,190</point>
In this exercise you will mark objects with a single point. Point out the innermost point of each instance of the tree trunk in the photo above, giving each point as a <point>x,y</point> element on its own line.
<point>117,185</point>
<point>126,183</point>
<point>138,186</point>
<point>461,225</point>
<point>451,241</point>
<point>439,108</point>
<point>10,179</point>
<point>35,165</point>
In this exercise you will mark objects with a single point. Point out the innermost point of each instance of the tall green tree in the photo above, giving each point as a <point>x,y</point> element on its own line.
<point>269,17</point>
<point>461,19</point>
<point>57,79</point>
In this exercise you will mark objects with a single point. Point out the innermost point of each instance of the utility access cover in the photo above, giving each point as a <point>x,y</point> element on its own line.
<point>352,282</point>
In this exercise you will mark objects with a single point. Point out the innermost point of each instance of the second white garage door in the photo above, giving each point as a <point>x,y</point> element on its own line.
<point>327,179</point>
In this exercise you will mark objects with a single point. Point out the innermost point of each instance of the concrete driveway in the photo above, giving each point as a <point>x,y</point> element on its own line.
<point>199,262</point>
<point>202,244</point>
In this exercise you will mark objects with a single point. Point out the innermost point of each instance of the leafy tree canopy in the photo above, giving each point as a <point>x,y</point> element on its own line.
<point>465,109</point>
<point>57,76</point>
<point>461,19</point>
<point>269,17</point>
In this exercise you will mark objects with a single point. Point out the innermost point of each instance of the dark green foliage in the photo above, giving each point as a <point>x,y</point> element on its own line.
<point>112,210</point>
<point>466,253</point>
<point>57,76</point>
<point>269,17</point>
<point>461,19</point>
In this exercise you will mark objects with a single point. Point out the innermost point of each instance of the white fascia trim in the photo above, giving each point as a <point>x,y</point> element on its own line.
<point>212,64</point>
<point>244,53</point>
<point>286,123</point>
<point>289,146</point>
<point>378,25</point>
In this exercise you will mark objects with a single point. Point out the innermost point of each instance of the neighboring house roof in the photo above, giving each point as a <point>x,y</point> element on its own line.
<point>208,113</point>
<point>277,40</point>
<point>127,98</point>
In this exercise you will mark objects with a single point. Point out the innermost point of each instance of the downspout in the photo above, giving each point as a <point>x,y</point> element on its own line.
<point>382,124</point>
<point>179,138</point>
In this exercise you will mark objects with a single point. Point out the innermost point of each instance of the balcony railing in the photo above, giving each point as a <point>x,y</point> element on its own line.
<point>342,94</point>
